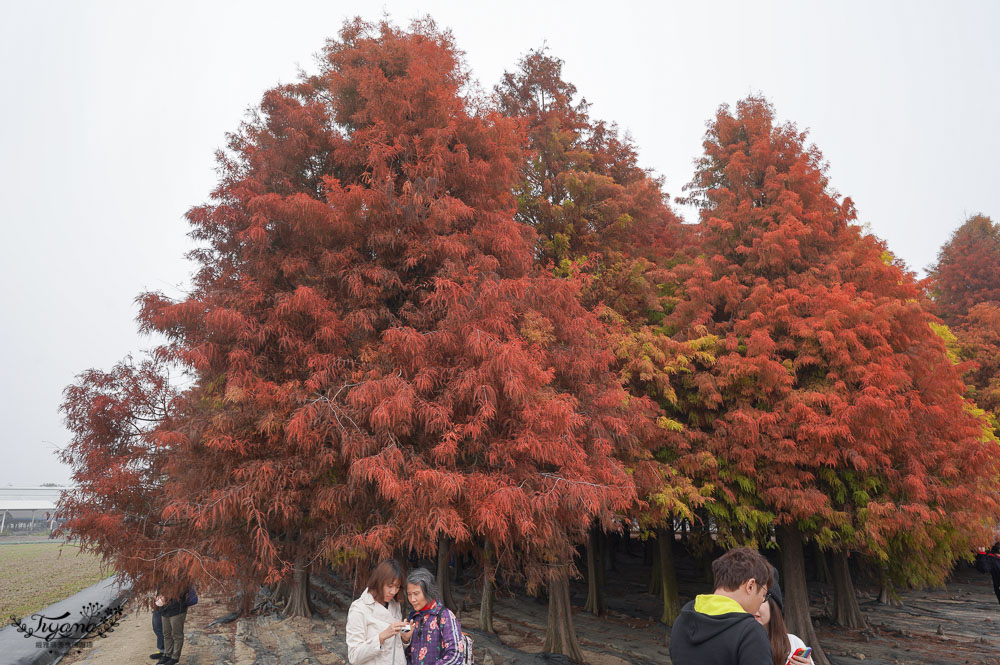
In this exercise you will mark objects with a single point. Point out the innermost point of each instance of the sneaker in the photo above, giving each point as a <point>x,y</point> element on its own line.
<point>171,661</point>
<point>157,655</point>
<point>164,660</point>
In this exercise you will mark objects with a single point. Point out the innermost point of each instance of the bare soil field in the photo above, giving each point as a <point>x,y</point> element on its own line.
<point>957,625</point>
<point>35,575</point>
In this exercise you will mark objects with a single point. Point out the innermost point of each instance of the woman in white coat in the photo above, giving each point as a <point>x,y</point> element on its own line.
<point>375,619</point>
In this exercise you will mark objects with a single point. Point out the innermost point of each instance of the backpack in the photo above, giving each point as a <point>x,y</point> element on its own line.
<point>465,650</point>
<point>192,597</point>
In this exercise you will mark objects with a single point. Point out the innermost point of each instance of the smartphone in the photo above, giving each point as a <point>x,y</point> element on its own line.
<point>803,652</point>
<point>405,629</point>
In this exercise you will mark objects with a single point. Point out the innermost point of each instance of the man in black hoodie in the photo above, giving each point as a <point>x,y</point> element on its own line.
<point>719,628</point>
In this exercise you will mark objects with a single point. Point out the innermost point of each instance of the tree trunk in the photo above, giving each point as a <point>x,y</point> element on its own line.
<point>560,635</point>
<point>822,570</point>
<point>609,548</point>
<point>279,595</point>
<point>887,594</point>
<point>459,568</point>
<point>444,574</point>
<point>299,603</point>
<point>595,604</point>
<point>846,611</point>
<point>668,576</point>
<point>489,591</point>
<point>655,577</point>
<point>795,591</point>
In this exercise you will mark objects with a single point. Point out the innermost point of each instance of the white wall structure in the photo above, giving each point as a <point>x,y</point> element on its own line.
<point>23,507</point>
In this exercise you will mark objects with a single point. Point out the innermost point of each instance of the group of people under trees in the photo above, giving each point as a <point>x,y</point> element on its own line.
<point>740,623</point>
<point>378,635</point>
<point>168,625</point>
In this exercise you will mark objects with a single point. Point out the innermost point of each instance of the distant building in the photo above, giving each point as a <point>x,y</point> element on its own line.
<point>23,508</point>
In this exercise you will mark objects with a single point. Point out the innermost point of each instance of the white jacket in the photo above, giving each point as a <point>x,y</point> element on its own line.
<point>365,620</point>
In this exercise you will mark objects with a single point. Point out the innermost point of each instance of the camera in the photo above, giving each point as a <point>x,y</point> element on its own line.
<point>405,629</point>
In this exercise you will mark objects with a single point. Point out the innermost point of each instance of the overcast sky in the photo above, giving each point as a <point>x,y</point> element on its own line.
<point>111,113</point>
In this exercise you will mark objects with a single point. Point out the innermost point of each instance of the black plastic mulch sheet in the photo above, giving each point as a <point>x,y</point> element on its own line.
<point>46,636</point>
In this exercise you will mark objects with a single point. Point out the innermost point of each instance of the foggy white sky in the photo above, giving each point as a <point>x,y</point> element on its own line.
<point>111,113</point>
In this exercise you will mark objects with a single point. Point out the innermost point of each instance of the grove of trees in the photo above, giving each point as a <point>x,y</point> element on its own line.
<point>430,320</point>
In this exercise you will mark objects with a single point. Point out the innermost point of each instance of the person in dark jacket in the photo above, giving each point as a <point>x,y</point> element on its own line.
<point>989,562</point>
<point>719,628</point>
<point>173,612</point>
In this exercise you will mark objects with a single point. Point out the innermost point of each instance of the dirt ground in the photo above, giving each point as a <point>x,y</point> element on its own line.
<point>957,625</point>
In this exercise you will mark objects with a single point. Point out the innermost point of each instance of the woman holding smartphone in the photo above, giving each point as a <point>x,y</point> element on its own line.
<point>435,637</point>
<point>375,619</point>
<point>786,649</point>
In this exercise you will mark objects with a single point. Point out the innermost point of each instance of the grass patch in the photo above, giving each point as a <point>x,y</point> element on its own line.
<point>34,576</point>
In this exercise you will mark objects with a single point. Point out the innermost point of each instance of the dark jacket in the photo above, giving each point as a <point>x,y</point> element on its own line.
<point>715,630</point>
<point>988,562</point>
<point>174,607</point>
<point>435,638</point>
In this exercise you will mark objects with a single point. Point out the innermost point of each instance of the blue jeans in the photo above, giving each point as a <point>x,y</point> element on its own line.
<point>158,629</point>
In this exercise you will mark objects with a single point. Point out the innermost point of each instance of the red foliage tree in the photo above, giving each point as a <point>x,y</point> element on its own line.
<point>965,285</point>
<point>979,340</point>
<point>376,366</point>
<point>831,406</point>
<point>967,271</point>
<point>118,460</point>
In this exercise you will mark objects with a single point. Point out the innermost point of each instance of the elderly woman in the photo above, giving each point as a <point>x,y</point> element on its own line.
<point>375,619</point>
<point>436,637</point>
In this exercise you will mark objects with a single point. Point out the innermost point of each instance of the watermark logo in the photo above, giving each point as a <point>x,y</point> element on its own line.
<point>57,633</point>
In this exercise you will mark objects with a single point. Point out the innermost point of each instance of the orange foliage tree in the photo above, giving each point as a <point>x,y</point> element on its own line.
<point>602,218</point>
<point>832,407</point>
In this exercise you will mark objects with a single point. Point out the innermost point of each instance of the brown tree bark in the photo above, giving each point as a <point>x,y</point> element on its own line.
<point>668,575</point>
<point>655,577</point>
<point>299,602</point>
<point>279,595</point>
<point>609,550</point>
<point>489,591</point>
<point>443,578</point>
<point>560,635</point>
<point>795,591</point>
<point>596,604</point>
<point>887,594</point>
<point>846,611</point>
<point>822,569</point>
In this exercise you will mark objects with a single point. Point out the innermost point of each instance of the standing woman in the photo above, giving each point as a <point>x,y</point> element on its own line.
<point>783,643</point>
<point>435,635</point>
<point>173,613</point>
<point>374,620</point>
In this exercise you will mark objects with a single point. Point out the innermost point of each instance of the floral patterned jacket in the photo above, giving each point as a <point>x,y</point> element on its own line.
<point>435,638</point>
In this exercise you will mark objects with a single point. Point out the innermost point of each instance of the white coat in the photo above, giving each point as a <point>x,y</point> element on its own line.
<point>365,620</point>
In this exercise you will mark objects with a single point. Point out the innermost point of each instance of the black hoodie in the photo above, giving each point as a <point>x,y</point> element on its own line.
<point>715,630</point>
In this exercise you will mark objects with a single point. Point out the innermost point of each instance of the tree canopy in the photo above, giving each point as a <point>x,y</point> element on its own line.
<point>423,315</point>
